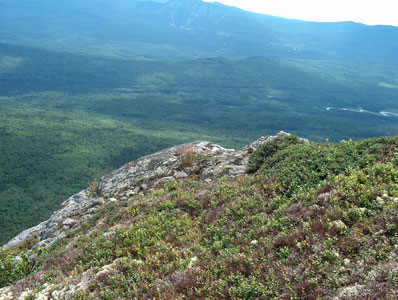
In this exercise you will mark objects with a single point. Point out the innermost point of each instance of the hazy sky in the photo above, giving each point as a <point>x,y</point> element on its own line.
<point>364,11</point>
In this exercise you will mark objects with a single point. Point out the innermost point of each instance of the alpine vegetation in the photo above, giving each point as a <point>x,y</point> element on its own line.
<point>282,218</point>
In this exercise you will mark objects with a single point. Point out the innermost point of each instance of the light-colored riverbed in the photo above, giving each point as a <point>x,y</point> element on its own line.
<point>360,110</point>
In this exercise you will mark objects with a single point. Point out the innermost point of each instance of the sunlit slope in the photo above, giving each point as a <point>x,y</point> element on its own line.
<point>309,221</point>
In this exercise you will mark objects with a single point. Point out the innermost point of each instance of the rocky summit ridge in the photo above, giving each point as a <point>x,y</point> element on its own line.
<point>138,177</point>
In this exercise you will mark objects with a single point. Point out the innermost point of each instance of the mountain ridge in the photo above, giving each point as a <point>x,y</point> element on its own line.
<point>198,221</point>
<point>188,29</point>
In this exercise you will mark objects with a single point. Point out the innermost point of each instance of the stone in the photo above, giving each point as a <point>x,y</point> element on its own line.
<point>6,294</point>
<point>161,170</point>
<point>325,197</point>
<point>163,181</point>
<point>138,261</point>
<point>192,262</point>
<point>236,170</point>
<point>106,269</point>
<point>339,225</point>
<point>69,222</point>
<point>380,201</point>
<point>180,175</point>
<point>133,192</point>
<point>352,292</point>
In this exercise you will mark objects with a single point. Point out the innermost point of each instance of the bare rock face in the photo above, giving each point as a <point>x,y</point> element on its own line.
<point>201,160</point>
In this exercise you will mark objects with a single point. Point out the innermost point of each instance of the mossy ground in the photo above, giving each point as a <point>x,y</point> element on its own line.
<point>313,219</point>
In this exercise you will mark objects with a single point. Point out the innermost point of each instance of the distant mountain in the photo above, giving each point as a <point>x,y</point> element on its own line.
<point>185,28</point>
<point>342,40</point>
<point>182,27</point>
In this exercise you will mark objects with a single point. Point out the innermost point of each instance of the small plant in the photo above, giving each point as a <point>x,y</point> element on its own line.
<point>283,253</point>
<point>188,157</point>
<point>94,188</point>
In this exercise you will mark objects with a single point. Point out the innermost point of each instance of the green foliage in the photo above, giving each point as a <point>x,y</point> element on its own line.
<point>269,149</point>
<point>17,265</point>
<point>301,166</point>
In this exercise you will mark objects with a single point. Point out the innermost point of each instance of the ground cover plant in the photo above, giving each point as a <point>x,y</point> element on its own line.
<point>310,220</point>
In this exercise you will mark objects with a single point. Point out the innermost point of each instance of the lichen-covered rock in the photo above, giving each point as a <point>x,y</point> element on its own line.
<point>163,181</point>
<point>23,236</point>
<point>353,293</point>
<point>339,225</point>
<point>6,294</point>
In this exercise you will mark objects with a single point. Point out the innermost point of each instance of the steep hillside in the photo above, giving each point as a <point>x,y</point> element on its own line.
<point>282,218</point>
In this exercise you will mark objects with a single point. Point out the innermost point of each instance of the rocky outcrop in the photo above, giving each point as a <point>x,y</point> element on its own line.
<point>202,160</point>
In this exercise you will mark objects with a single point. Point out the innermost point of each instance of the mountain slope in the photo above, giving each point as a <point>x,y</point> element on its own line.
<point>182,28</point>
<point>186,28</point>
<point>309,221</point>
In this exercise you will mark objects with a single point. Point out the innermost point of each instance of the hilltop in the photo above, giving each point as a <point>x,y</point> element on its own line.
<point>282,218</point>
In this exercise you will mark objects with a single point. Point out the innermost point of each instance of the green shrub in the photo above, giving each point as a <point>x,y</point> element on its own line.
<point>16,266</point>
<point>269,149</point>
